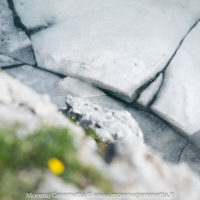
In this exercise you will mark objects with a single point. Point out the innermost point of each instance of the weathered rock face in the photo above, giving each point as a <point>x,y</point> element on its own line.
<point>109,46</point>
<point>76,87</point>
<point>179,97</point>
<point>105,44</point>
<point>109,125</point>
<point>13,42</point>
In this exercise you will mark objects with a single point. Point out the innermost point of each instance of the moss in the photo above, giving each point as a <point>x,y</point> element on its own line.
<point>91,132</point>
<point>16,183</point>
<point>31,154</point>
<point>102,146</point>
<point>73,117</point>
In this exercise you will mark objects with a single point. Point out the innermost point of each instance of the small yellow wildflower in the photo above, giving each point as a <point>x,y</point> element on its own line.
<point>56,166</point>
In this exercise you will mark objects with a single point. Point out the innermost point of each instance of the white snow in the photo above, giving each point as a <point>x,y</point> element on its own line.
<point>116,44</point>
<point>178,101</point>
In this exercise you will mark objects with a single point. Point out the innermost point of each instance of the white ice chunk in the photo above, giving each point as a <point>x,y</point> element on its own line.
<point>147,95</point>
<point>116,44</point>
<point>179,98</point>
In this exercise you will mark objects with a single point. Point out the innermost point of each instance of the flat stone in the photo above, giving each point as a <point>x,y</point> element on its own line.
<point>178,100</point>
<point>79,88</point>
<point>13,41</point>
<point>6,61</point>
<point>117,45</point>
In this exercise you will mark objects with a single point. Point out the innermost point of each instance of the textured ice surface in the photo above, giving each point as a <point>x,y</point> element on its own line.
<point>147,95</point>
<point>116,44</point>
<point>6,61</point>
<point>178,100</point>
<point>13,42</point>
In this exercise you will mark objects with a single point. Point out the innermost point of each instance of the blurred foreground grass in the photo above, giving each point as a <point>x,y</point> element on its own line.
<point>24,161</point>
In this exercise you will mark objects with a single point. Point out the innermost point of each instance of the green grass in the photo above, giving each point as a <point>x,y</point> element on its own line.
<point>24,161</point>
<point>101,145</point>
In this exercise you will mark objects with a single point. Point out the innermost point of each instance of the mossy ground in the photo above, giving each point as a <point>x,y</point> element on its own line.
<point>24,161</point>
<point>102,146</point>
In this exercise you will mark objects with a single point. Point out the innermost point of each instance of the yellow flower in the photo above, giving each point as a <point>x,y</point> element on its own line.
<point>56,166</point>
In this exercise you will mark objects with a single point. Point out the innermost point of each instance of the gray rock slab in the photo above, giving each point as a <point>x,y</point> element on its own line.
<point>79,88</point>
<point>179,97</point>
<point>6,61</point>
<point>117,45</point>
<point>49,83</point>
<point>13,41</point>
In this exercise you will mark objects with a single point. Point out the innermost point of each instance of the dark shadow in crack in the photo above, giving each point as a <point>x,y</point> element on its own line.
<point>16,18</point>
<point>165,68</point>
<point>12,66</point>
<point>18,23</point>
<point>37,29</point>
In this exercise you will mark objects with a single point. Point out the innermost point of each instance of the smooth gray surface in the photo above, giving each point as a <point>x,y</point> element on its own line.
<point>41,81</point>
<point>6,61</point>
